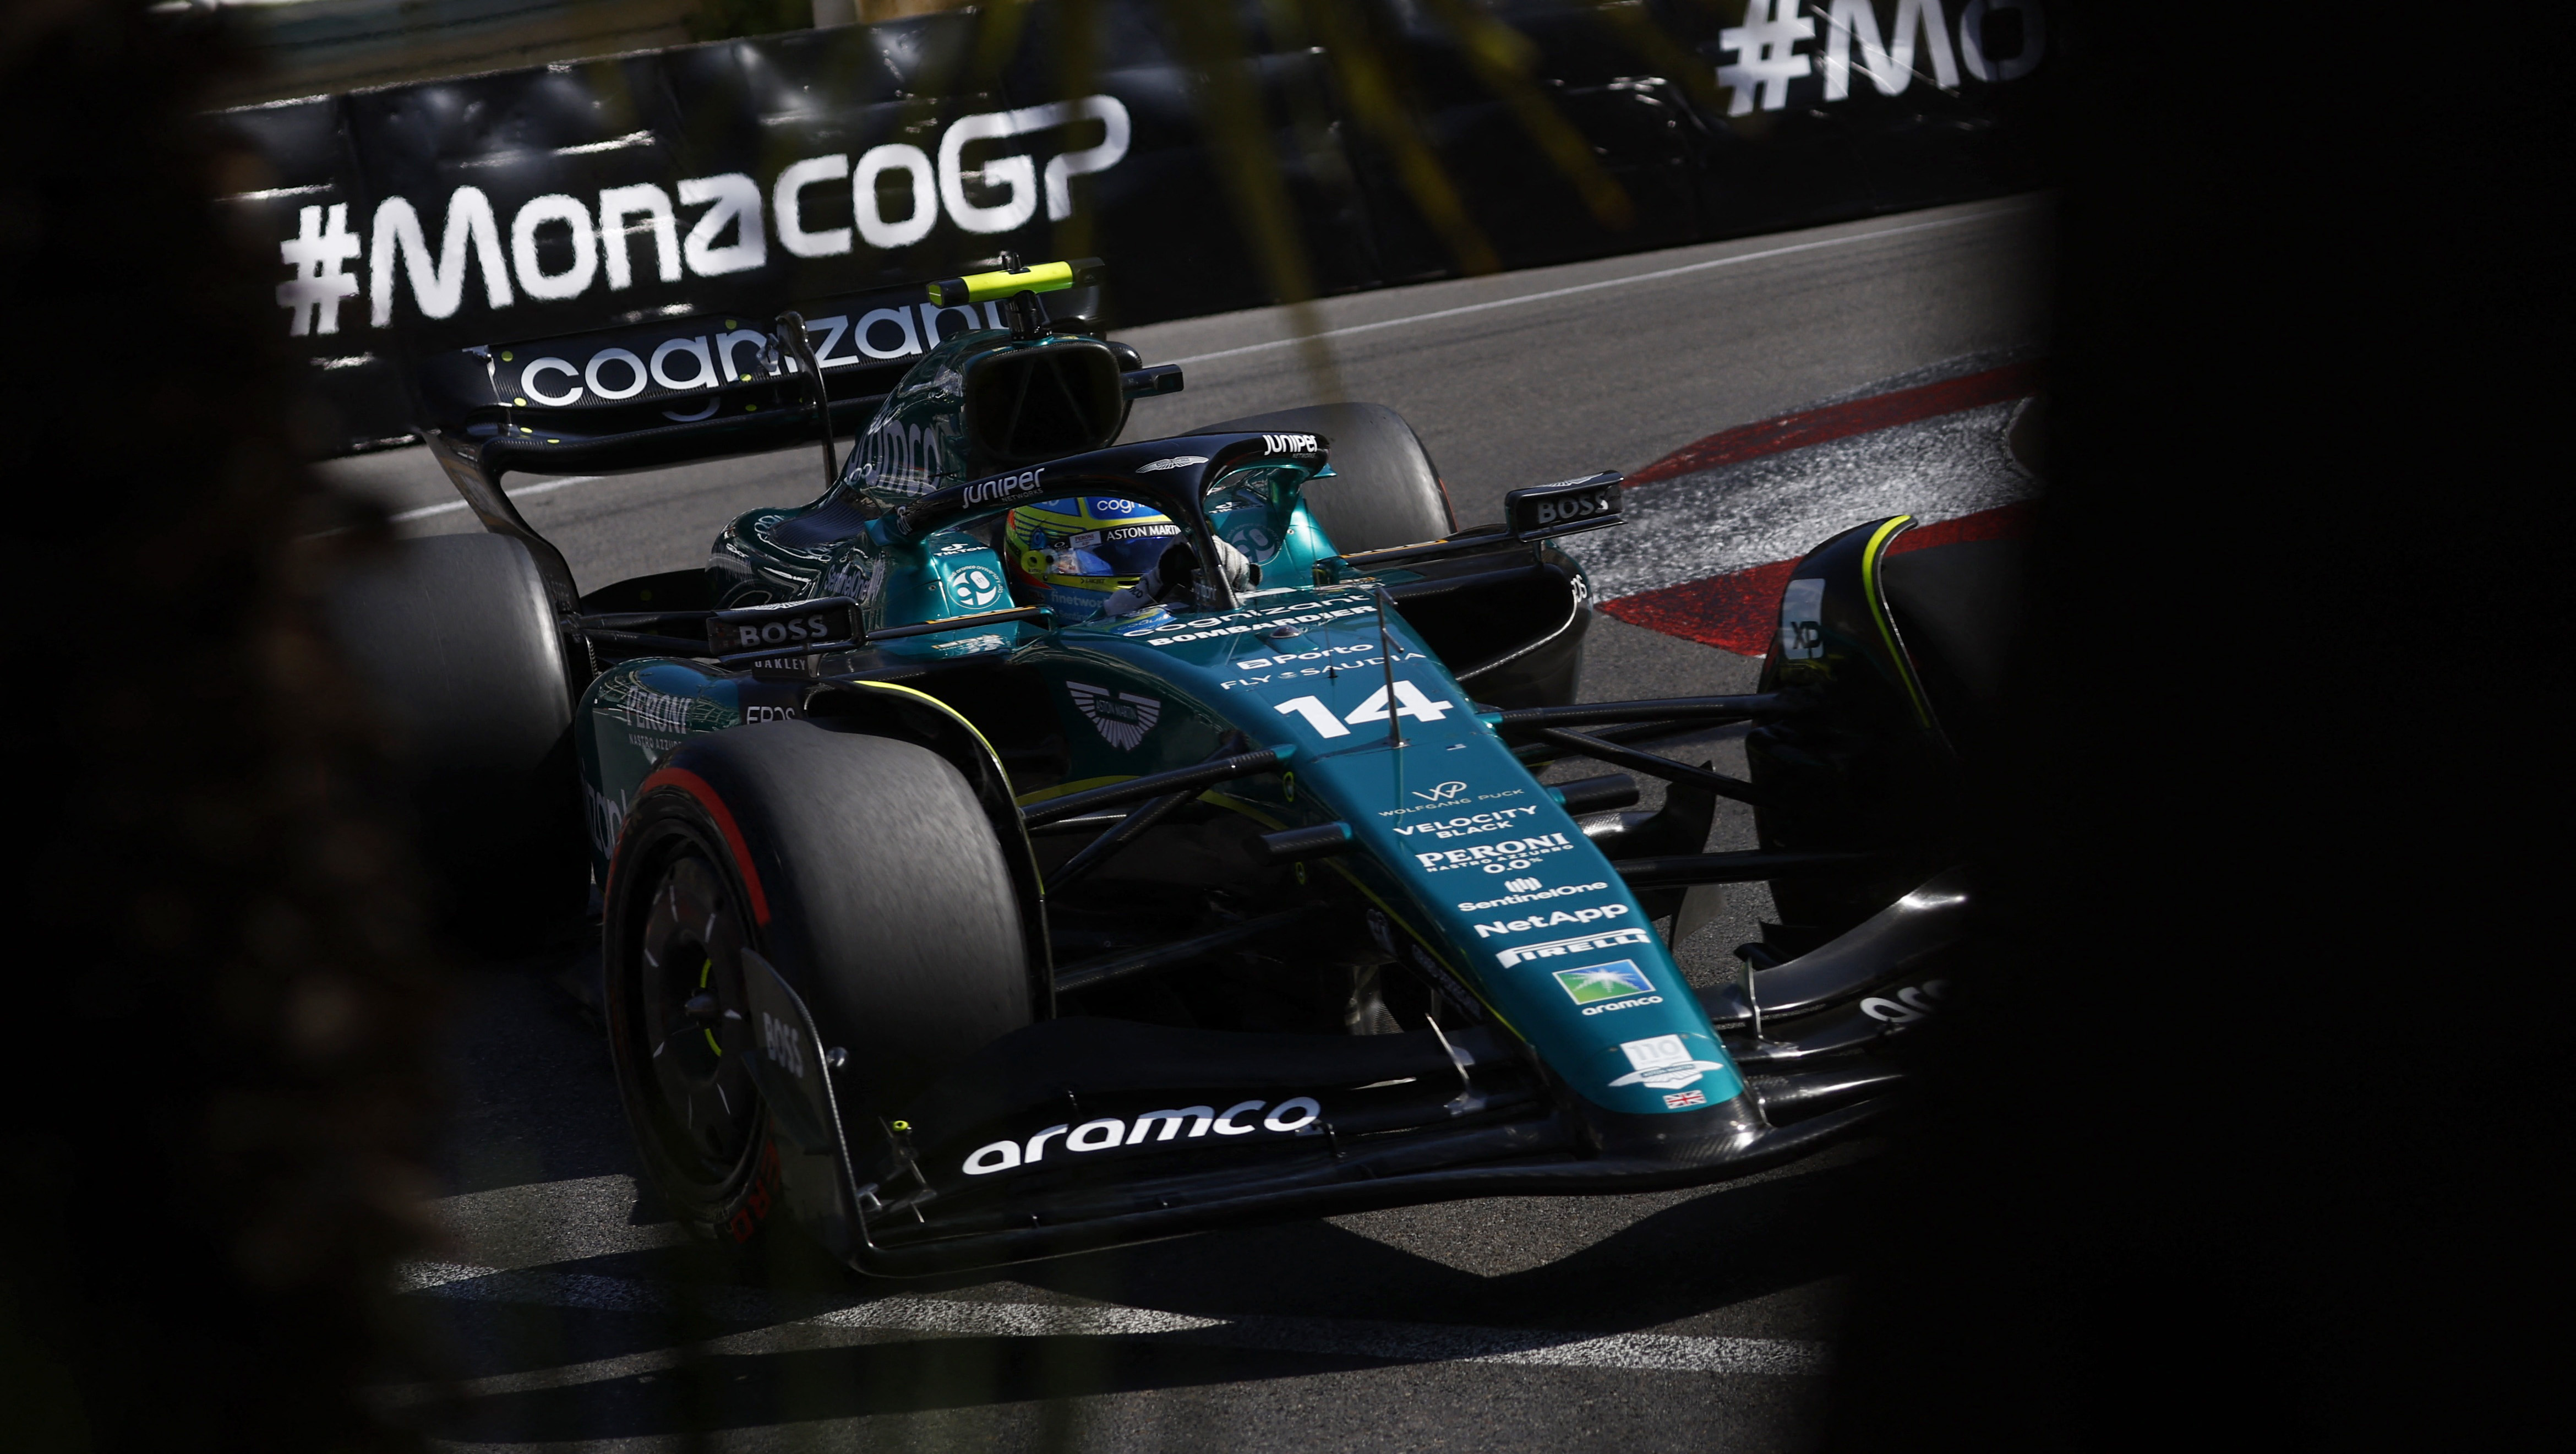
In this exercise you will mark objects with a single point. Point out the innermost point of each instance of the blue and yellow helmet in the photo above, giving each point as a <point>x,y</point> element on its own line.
<point>1072,554</point>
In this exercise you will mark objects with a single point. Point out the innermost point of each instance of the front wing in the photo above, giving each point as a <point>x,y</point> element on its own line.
<point>1080,1133</point>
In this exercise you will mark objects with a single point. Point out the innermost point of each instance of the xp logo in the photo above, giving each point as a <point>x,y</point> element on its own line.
<point>975,587</point>
<point>1440,794</point>
<point>1802,631</point>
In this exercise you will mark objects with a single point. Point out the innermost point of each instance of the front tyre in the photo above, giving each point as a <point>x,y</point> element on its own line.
<point>867,872</point>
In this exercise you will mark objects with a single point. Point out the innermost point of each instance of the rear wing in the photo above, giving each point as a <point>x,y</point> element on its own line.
<point>664,391</point>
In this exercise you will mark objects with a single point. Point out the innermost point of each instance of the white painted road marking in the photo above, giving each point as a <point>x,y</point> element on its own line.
<point>549,487</point>
<point>1594,287</point>
<point>1329,1337</point>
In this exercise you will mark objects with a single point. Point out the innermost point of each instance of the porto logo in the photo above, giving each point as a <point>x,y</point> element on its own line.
<point>1121,718</point>
<point>1594,983</point>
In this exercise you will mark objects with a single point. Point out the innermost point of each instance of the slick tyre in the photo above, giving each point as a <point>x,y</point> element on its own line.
<point>864,869</point>
<point>455,639</point>
<point>1383,491</point>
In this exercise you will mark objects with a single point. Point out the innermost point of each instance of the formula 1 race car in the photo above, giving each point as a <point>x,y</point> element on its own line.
<point>960,923</point>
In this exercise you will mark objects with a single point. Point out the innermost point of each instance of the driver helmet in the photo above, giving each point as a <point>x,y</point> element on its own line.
<point>1074,554</point>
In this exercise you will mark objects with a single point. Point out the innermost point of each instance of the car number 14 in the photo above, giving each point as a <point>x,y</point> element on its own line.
<point>1409,702</point>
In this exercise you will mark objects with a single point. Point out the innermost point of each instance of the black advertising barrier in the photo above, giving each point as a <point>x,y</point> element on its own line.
<point>673,202</point>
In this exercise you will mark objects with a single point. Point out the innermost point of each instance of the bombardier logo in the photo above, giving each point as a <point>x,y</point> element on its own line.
<point>1585,945</point>
<point>1122,718</point>
<point>1290,1117</point>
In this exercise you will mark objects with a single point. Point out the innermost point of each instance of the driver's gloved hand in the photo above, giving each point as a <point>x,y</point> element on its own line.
<point>1175,578</point>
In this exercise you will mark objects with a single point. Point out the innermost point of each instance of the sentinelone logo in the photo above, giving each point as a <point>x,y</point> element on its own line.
<point>897,192</point>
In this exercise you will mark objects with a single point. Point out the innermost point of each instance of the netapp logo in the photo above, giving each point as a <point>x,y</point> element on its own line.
<point>1288,1118</point>
<point>1550,921</point>
<point>1023,485</point>
<point>563,244</point>
<point>1585,945</point>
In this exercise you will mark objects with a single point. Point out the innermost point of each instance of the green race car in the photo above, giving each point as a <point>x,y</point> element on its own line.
<point>962,907</point>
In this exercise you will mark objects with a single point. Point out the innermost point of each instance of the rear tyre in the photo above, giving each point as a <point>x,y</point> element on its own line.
<point>455,638</point>
<point>1383,491</point>
<point>866,871</point>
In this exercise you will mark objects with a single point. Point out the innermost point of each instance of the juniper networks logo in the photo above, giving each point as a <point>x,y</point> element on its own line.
<point>993,173</point>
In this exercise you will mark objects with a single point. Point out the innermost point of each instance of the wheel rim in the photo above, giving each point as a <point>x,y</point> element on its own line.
<point>692,1024</point>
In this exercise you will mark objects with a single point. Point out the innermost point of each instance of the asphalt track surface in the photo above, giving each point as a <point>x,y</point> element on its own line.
<point>1766,392</point>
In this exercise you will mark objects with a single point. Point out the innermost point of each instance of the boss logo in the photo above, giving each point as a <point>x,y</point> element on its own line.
<point>1585,504</point>
<point>1006,487</point>
<point>754,635</point>
<point>782,1044</point>
<point>782,628</point>
<point>1577,507</point>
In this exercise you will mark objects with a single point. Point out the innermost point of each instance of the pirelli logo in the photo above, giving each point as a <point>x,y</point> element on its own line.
<point>1585,945</point>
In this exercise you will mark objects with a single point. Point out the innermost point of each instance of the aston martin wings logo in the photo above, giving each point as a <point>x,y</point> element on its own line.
<point>1122,718</point>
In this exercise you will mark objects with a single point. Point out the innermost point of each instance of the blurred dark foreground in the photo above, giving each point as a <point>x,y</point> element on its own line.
<point>224,1087</point>
<point>2230,1142</point>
